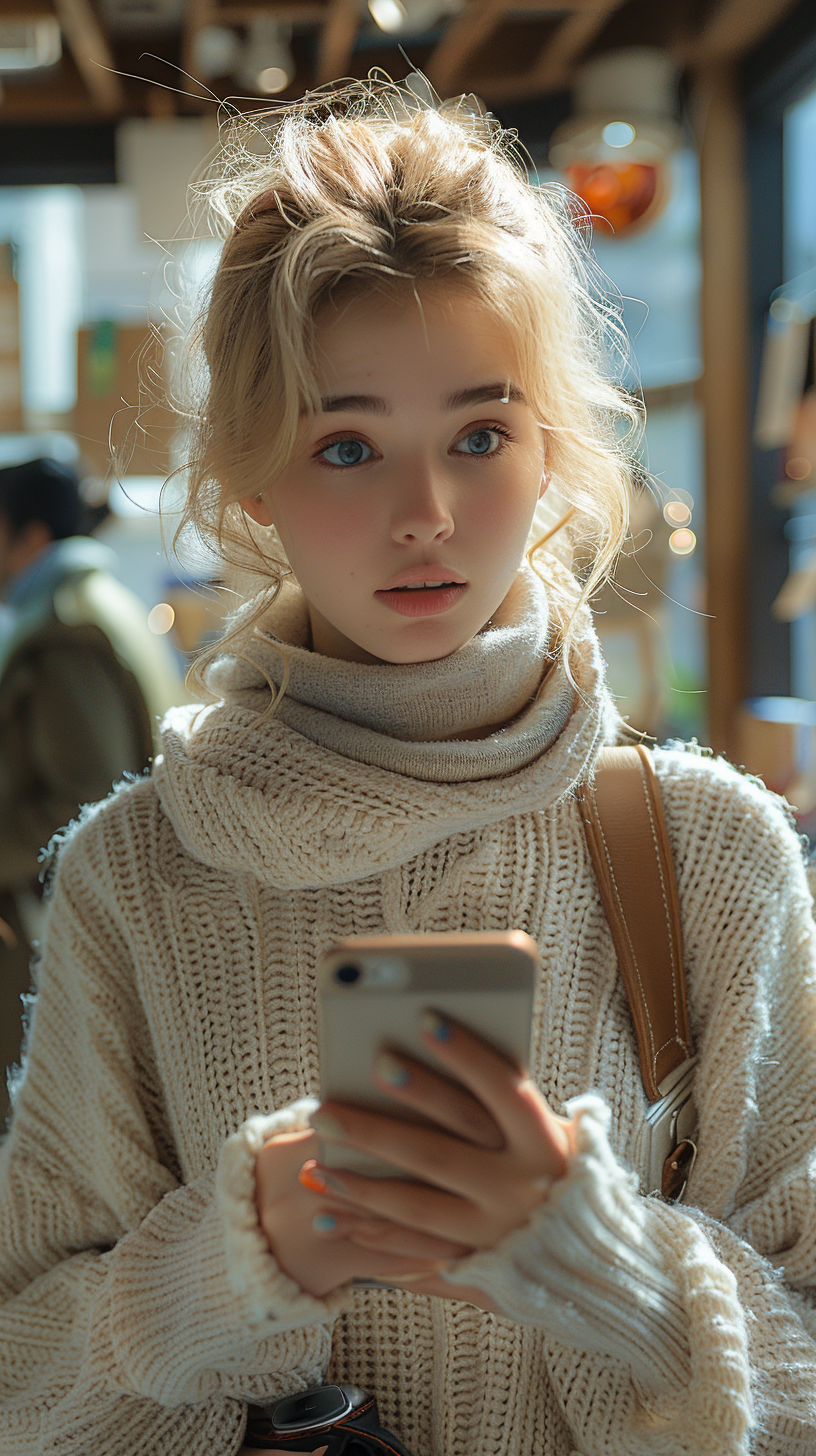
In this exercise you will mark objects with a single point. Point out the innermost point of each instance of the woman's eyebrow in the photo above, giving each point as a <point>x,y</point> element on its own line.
<point>369,404</point>
<point>502,390</point>
<point>374,404</point>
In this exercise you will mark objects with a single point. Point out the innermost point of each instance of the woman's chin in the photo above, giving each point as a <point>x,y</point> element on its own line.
<point>408,654</point>
<point>409,641</point>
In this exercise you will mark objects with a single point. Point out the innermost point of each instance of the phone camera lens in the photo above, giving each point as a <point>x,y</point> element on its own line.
<point>347,974</point>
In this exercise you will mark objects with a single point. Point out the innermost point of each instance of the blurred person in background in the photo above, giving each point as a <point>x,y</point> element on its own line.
<point>82,682</point>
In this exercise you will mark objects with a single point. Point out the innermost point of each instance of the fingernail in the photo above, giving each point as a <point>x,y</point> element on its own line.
<point>324,1223</point>
<point>436,1026</point>
<point>311,1177</point>
<point>391,1071</point>
<point>318,1180</point>
<point>327,1126</point>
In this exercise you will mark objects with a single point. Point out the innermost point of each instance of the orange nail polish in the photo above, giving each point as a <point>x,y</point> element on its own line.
<point>311,1178</point>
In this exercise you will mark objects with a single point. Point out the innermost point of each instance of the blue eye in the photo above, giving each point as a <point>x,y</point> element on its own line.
<point>479,442</point>
<point>347,452</point>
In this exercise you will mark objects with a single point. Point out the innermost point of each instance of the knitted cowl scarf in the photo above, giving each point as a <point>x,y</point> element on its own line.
<point>361,767</point>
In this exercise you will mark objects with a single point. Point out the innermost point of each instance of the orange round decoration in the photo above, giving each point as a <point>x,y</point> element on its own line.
<point>620,195</point>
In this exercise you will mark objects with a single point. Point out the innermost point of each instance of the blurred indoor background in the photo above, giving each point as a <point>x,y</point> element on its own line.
<point>688,127</point>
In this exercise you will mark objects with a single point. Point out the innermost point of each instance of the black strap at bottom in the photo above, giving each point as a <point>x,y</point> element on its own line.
<point>357,1434</point>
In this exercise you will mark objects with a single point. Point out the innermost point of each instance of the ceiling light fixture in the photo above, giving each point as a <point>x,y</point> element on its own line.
<point>389,15</point>
<point>615,148</point>
<point>410,17</point>
<point>29,45</point>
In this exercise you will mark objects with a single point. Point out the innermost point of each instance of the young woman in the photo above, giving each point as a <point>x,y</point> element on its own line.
<point>401,356</point>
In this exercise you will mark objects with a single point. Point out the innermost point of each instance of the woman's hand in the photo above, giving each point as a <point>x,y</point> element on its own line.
<point>501,1150</point>
<point>287,1211</point>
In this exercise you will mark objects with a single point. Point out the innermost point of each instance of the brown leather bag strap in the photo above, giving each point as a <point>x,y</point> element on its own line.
<point>629,848</point>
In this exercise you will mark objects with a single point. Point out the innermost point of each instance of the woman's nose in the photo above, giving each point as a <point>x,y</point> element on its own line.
<point>422,513</point>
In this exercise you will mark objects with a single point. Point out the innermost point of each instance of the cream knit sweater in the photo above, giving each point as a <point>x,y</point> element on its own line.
<point>175,1029</point>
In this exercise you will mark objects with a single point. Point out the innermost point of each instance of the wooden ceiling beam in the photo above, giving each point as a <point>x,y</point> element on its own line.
<point>337,38</point>
<point>465,35</point>
<point>92,54</point>
<point>554,67</point>
<point>295,12</point>
<point>733,28</point>
<point>26,9</point>
<point>472,28</point>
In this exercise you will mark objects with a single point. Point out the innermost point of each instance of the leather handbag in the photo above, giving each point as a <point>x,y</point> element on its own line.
<point>338,1420</point>
<point>629,848</point>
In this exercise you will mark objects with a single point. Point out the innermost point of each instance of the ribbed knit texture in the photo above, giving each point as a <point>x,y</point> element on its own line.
<point>176,1027</point>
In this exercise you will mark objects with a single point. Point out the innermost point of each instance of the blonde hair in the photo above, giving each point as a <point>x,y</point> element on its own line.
<point>376,186</point>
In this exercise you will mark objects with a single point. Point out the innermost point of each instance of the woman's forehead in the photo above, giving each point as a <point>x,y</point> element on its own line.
<point>439,346</point>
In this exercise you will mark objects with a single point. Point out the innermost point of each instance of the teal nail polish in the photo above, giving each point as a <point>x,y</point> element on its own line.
<point>391,1071</point>
<point>324,1223</point>
<point>436,1026</point>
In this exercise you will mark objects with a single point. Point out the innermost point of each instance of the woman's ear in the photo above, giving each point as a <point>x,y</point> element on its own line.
<point>256,507</point>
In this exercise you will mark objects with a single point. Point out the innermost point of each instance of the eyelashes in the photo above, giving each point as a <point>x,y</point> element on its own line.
<point>348,437</point>
<point>350,440</point>
<point>500,430</point>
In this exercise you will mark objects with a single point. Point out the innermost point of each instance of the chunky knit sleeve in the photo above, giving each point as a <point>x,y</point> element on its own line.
<point>692,1329</point>
<point>128,1324</point>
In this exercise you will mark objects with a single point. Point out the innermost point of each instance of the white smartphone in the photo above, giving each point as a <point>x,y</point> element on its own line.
<point>372,991</point>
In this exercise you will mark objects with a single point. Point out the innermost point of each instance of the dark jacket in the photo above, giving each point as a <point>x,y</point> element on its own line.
<point>82,683</point>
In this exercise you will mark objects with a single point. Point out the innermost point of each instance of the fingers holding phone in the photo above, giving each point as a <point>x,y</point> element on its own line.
<point>307,1227</point>
<point>445,1102</point>
<point>450,1188</point>
<point>433,1140</point>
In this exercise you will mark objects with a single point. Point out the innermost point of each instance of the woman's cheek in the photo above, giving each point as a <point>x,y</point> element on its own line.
<point>323,531</point>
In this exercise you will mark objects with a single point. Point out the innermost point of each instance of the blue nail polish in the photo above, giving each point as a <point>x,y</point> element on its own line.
<point>436,1026</point>
<point>324,1223</point>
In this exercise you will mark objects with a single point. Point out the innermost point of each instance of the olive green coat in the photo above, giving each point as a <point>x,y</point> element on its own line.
<point>82,684</point>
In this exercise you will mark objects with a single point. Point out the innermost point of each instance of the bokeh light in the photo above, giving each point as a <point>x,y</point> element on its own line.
<point>161,618</point>
<point>677,513</point>
<point>618,134</point>
<point>682,542</point>
<point>798,468</point>
<point>389,15</point>
<point>272,79</point>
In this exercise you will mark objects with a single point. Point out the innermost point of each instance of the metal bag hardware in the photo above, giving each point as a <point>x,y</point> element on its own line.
<point>669,1129</point>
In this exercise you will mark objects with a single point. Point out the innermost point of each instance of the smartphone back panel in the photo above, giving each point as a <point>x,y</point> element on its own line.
<point>373,990</point>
